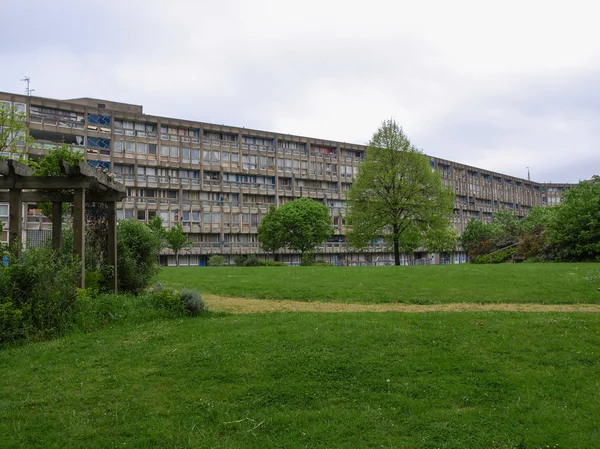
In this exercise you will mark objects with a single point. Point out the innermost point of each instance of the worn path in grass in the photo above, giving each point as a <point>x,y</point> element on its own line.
<point>246,305</point>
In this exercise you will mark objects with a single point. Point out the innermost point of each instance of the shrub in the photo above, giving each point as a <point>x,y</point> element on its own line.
<point>239,260</point>
<point>271,263</point>
<point>192,302</point>
<point>498,257</point>
<point>307,260</point>
<point>138,249</point>
<point>252,261</point>
<point>216,261</point>
<point>38,294</point>
<point>167,299</point>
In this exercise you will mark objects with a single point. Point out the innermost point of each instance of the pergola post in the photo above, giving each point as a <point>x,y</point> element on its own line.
<point>56,225</point>
<point>79,229</point>
<point>15,224</point>
<point>112,241</point>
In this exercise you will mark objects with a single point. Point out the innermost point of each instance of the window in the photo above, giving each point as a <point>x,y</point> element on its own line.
<point>152,149</point>
<point>175,152</point>
<point>141,215</point>
<point>142,148</point>
<point>164,150</point>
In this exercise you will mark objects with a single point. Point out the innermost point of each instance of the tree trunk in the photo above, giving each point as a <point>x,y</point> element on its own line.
<point>396,246</point>
<point>177,258</point>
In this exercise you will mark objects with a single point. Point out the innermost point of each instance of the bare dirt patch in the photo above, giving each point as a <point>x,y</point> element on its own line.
<point>247,305</point>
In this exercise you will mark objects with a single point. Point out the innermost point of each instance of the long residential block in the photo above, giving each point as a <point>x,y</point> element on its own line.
<point>219,181</point>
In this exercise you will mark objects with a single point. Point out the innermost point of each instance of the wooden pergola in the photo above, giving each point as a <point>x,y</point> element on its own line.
<point>87,184</point>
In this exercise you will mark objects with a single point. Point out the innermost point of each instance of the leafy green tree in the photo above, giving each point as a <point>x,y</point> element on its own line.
<point>575,224</point>
<point>299,225</point>
<point>138,248</point>
<point>14,135</point>
<point>176,239</point>
<point>157,225</point>
<point>269,231</point>
<point>397,195</point>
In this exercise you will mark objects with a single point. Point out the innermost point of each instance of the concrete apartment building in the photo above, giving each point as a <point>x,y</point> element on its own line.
<point>219,181</point>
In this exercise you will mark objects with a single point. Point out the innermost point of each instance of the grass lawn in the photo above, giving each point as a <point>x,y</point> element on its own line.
<point>452,380</point>
<point>557,283</point>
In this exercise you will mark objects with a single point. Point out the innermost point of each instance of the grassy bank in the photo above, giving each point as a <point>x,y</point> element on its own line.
<point>449,380</point>
<point>559,283</point>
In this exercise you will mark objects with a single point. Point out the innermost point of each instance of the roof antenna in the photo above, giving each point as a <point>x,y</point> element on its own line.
<point>28,91</point>
<point>528,176</point>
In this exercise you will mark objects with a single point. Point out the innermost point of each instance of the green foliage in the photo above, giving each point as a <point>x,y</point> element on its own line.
<point>497,257</point>
<point>321,263</point>
<point>177,303</point>
<point>192,302</point>
<point>167,299</point>
<point>307,259</point>
<point>14,134</point>
<point>252,261</point>
<point>575,225</point>
<point>299,225</point>
<point>272,263</point>
<point>49,164</point>
<point>396,195</point>
<point>474,234</point>
<point>176,240</point>
<point>157,225</point>
<point>38,294</point>
<point>138,249</point>
<point>216,261</point>
<point>270,231</point>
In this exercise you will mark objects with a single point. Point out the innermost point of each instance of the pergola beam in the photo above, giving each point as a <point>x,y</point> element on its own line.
<point>90,197</point>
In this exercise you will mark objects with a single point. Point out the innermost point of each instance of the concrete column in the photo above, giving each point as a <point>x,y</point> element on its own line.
<point>112,242</point>
<point>56,225</point>
<point>15,224</point>
<point>79,229</point>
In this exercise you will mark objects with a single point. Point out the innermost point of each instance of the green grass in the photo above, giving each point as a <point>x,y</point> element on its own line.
<point>456,380</point>
<point>559,283</point>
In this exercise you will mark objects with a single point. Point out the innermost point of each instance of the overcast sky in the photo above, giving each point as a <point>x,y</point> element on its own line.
<point>499,85</point>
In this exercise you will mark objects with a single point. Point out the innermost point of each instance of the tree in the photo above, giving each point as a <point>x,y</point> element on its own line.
<point>156,224</point>
<point>14,135</point>
<point>269,231</point>
<point>176,239</point>
<point>138,248</point>
<point>299,225</point>
<point>575,224</point>
<point>398,196</point>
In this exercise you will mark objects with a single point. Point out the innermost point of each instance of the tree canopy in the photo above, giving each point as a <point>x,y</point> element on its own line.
<point>14,135</point>
<point>575,225</point>
<point>176,239</point>
<point>397,195</point>
<point>299,225</point>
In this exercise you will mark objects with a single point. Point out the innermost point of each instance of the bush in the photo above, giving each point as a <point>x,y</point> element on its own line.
<point>192,302</point>
<point>252,261</point>
<point>271,263</point>
<point>177,303</point>
<point>138,249</point>
<point>216,261</point>
<point>239,260</point>
<point>38,294</point>
<point>167,299</point>
<point>307,260</point>
<point>498,257</point>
